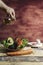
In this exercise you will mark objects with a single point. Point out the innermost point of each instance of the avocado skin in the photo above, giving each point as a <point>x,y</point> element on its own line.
<point>14,46</point>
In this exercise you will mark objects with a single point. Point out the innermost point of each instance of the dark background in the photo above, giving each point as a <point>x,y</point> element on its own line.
<point>29,23</point>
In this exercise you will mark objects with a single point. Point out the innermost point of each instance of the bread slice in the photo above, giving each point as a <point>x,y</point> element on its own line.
<point>24,51</point>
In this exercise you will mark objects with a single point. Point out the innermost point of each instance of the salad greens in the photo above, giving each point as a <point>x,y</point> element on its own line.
<point>13,44</point>
<point>8,42</point>
<point>24,43</point>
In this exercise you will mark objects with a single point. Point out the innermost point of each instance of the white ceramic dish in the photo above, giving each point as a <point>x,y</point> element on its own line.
<point>35,44</point>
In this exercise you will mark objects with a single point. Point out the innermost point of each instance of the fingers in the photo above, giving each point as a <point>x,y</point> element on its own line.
<point>14,15</point>
<point>11,12</point>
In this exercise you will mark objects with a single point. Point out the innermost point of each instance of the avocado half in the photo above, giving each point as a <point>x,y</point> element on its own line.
<point>16,44</point>
<point>8,42</point>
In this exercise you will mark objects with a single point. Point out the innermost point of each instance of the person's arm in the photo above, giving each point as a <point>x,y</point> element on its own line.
<point>8,9</point>
<point>3,5</point>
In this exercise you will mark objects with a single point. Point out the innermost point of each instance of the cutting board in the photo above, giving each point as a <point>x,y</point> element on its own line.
<point>20,52</point>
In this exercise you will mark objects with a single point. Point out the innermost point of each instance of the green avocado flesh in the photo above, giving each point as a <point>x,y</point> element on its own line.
<point>8,42</point>
<point>12,44</point>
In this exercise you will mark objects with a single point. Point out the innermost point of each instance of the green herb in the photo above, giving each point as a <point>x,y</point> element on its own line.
<point>5,43</point>
<point>8,42</point>
<point>24,43</point>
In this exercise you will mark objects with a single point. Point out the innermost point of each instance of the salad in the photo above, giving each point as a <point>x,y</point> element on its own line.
<point>16,43</point>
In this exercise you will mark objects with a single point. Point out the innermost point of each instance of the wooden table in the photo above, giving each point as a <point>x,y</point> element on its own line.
<point>37,55</point>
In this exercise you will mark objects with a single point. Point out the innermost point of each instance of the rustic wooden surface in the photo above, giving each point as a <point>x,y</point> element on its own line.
<point>36,56</point>
<point>21,63</point>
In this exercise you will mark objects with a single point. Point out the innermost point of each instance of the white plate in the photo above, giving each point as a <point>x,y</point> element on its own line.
<point>35,44</point>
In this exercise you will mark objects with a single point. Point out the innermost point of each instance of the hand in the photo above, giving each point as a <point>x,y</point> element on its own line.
<point>11,12</point>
